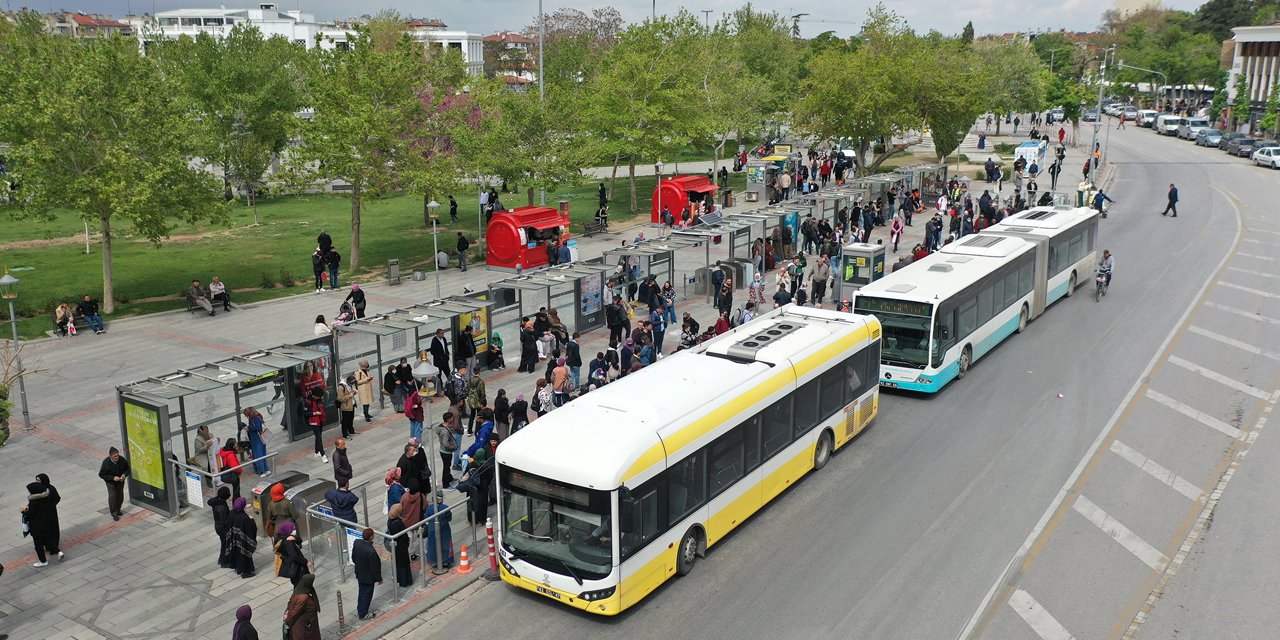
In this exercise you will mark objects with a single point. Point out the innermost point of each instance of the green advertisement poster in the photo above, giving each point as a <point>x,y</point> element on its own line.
<point>146,458</point>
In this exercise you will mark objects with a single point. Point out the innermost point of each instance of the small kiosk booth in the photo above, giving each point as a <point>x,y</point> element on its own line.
<point>679,192</point>
<point>860,264</point>
<point>517,239</point>
<point>760,175</point>
<point>929,178</point>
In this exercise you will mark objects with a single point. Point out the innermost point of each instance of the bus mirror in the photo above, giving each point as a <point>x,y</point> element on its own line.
<point>626,509</point>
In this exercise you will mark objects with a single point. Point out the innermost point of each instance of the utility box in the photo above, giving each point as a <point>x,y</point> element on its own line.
<point>305,494</point>
<point>393,271</point>
<point>262,494</point>
<point>860,264</point>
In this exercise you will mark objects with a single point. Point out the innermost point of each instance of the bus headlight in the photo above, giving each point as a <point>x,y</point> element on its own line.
<point>506,565</point>
<point>592,596</point>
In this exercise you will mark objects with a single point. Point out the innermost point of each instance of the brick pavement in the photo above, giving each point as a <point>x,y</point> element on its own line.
<point>151,577</point>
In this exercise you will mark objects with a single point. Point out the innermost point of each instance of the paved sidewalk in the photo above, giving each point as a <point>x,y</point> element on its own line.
<point>149,577</point>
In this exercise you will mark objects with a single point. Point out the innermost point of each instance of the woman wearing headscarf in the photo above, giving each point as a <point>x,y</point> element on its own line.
<point>519,413</point>
<point>395,490</point>
<point>244,628</point>
<point>280,510</point>
<point>302,617</point>
<point>242,539</point>
<point>356,298</point>
<point>755,292</point>
<point>227,459</point>
<point>42,517</point>
<point>391,387</point>
<point>221,523</point>
<point>502,413</point>
<point>206,450</point>
<point>293,564</point>
<point>364,385</point>
<point>440,511</point>
<point>257,428</point>
<point>404,572</point>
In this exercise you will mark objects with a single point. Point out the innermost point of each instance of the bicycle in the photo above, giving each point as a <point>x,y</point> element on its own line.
<point>1100,288</point>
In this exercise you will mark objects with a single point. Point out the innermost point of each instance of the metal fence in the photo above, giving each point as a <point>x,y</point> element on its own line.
<point>182,479</point>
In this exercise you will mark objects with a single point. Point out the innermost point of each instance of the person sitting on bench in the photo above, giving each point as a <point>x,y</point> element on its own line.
<point>199,296</point>
<point>220,294</point>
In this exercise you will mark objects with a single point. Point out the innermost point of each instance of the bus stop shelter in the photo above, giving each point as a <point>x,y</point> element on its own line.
<point>930,178</point>
<point>576,291</point>
<point>631,263</point>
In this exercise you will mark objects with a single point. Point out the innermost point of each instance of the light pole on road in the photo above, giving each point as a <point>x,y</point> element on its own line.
<point>9,291</point>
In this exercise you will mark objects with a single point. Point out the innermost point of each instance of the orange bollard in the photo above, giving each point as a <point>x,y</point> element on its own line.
<point>464,567</point>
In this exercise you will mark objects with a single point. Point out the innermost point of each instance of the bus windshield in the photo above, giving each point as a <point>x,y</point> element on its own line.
<point>905,341</point>
<point>556,526</point>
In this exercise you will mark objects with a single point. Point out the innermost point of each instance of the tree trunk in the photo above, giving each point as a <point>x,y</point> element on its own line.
<point>530,192</point>
<point>613,180</point>
<point>353,262</point>
<point>108,286</point>
<point>635,204</point>
<point>253,202</point>
<point>997,124</point>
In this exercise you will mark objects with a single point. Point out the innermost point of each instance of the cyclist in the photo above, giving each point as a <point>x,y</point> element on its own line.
<point>1105,265</point>
<point>1098,199</point>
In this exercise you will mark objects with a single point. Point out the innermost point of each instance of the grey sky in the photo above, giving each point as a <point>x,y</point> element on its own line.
<point>488,16</point>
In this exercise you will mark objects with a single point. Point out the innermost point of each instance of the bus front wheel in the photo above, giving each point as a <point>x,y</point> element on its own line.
<point>1071,288</point>
<point>688,553</point>
<point>822,452</point>
<point>966,357</point>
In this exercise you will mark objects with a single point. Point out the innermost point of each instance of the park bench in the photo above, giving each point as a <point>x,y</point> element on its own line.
<point>593,227</point>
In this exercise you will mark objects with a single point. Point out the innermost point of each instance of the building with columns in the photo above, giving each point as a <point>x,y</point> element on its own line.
<point>1257,58</point>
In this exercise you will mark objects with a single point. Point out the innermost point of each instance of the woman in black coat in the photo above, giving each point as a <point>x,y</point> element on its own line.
<point>293,565</point>
<point>404,572</point>
<point>519,415</point>
<point>222,522</point>
<point>42,516</point>
<point>242,538</point>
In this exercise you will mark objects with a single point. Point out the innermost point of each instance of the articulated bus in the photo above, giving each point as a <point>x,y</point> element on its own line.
<point>607,497</point>
<point>944,312</point>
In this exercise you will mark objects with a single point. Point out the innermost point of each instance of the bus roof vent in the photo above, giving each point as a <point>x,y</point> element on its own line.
<point>900,288</point>
<point>941,266</point>
<point>1039,214</point>
<point>960,259</point>
<point>747,348</point>
<point>1019,229</point>
<point>981,241</point>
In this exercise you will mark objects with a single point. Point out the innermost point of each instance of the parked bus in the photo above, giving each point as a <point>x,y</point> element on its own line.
<point>607,497</point>
<point>941,314</point>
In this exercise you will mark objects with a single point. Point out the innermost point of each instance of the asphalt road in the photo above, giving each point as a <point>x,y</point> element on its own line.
<point>998,509</point>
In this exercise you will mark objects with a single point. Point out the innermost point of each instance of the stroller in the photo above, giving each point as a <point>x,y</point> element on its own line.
<point>346,314</point>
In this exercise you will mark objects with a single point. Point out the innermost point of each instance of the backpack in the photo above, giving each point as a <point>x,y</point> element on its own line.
<point>736,318</point>
<point>536,405</point>
<point>317,260</point>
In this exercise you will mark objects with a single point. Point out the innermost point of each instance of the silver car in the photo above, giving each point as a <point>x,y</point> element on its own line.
<point>1208,137</point>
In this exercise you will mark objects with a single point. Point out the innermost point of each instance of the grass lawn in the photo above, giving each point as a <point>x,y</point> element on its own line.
<point>253,261</point>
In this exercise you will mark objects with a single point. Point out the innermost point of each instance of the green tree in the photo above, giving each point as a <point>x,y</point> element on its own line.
<point>1218,17</point>
<point>950,109</point>
<point>1068,94</point>
<point>764,44</point>
<point>1219,103</point>
<point>966,36</point>
<point>366,100</point>
<point>1268,121</point>
<point>96,128</point>
<point>244,91</point>
<point>1016,85</point>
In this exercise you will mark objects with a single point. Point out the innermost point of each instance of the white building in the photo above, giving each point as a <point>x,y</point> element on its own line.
<point>1257,58</point>
<point>301,28</point>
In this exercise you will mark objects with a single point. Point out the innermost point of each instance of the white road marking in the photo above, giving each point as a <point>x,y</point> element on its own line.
<point>1037,617</point>
<point>1219,378</point>
<point>1241,312</point>
<point>1148,554</point>
<point>1258,292</point>
<point>1255,230</point>
<point>1153,469</point>
<point>1243,346</point>
<point>1251,240</point>
<point>1256,257</point>
<point>1253,273</point>
<point>1195,414</point>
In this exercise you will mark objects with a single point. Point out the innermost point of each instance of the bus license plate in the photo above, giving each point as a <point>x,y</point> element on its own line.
<point>549,592</point>
<point>891,385</point>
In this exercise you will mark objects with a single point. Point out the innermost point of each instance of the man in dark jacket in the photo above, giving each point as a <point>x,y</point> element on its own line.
<point>717,283</point>
<point>343,503</point>
<point>113,471</point>
<point>342,473</point>
<point>368,569</point>
<point>466,349</point>
<point>573,358</point>
<point>411,466</point>
<point>333,260</point>
<point>615,317</point>
<point>463,245</point>
<point>1173,202</point>
<point>440,358</point>
<point>88,309</point>
<point>453,209</point>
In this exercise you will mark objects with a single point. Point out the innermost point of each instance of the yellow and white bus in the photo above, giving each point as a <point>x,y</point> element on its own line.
<point>605,498</point>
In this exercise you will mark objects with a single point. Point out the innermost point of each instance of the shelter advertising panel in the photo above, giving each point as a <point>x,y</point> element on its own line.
<point>146,430</point>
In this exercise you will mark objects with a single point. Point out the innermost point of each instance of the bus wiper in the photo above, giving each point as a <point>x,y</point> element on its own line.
<point>566,566</point>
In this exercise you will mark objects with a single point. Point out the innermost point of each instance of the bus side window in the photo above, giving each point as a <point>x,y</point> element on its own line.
<point>686,485</point>
<point>751,433</point>
<point>944,332</point>
<point>775,428</point>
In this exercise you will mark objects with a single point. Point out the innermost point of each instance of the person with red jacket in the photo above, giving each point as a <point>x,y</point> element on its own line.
<point>316,418</point>
<point>228,459</point>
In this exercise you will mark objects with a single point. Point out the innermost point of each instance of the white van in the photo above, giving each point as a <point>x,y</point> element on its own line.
<point>1167,125</point>
<point>1191,126</point>
<point>1146,117</point>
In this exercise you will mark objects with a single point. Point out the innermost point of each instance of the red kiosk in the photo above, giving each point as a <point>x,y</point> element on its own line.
<point>676,193</point>
<point>517,238</point>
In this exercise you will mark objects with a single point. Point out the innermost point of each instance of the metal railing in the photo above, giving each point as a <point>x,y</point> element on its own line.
<point>334,543</point>
<point>270,459</point>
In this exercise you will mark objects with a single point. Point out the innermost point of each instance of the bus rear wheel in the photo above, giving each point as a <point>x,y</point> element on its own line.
<point>688,552</point>
<point>822,452</point>
<point>1022,319</point>
<point>966,357</point>
<point>1071,287</point>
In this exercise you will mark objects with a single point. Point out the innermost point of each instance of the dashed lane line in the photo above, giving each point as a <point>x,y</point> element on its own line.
<point>1251,272</point>
<point>1241,312</point>
<point>1040,620</point>
<point>1232,342</point>
<point>1196,414</point>
<point>1148,554</point>
<point>1153,469</point>
<point>1256,292</point>
<point>1219,378</point>
<point>1256,257</point>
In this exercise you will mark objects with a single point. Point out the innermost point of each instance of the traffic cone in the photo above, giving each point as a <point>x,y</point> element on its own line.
<point>464,567</point>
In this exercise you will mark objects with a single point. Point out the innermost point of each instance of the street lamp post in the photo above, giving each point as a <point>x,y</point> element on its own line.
<point>9,291</point>
<point>1102,75</point>
<point>435,241</point>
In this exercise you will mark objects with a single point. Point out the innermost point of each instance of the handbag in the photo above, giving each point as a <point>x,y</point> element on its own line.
<point>26,525</point>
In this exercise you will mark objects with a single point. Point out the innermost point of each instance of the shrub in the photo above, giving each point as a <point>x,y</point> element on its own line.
<point>267,281</point>
<point>287,278</point>
<point>1005,148</point>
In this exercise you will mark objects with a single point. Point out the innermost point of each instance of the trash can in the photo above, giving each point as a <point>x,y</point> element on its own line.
<point>305,494</point>
<point>393,271</point>
<point>262,493</point>
<point>419,275</point>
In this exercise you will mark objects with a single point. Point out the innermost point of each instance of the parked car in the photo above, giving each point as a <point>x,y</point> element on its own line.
<point>1268,157</point>
<point>1208,137</point>
<point>1146,117</point>
<point>1191,126</point>
<point>1243,147</point>
<point>1058,114</point>
<point>1130,113</point>
<point>1167,125</point>
<point>1226,140</point>
<point>1112,109</point>
<point>1090,116</point>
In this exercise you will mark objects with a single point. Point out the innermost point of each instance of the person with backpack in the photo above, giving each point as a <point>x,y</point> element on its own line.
<point>615,317</point>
